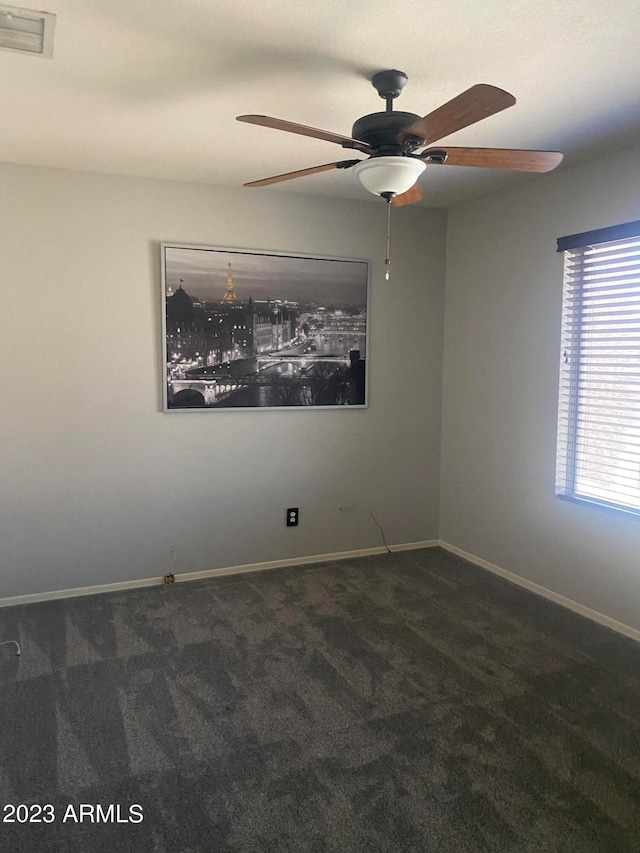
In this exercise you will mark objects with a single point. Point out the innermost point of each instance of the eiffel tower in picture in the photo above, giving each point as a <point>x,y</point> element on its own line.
<point>230,297</point>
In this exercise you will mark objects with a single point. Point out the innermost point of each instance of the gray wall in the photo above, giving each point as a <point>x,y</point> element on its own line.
<point>98,484</point>
<point>502,328</point>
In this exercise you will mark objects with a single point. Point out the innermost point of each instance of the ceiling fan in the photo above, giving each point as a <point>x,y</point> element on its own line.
<point>393,138</point>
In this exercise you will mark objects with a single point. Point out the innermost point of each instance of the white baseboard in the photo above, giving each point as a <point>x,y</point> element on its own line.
<point>211,573</point>
<point>594,615</point>
<point>600,618</point>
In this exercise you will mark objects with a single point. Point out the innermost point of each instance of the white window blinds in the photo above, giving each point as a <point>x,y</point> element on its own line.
<point>598,457</point>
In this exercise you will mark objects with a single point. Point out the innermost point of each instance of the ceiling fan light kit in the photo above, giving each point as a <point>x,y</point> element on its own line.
<point>389,176</point>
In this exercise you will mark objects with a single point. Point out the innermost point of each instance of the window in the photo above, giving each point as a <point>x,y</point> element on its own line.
<point>598,456</point>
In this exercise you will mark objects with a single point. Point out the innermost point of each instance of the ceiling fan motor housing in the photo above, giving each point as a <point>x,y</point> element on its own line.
<point>380,131</point>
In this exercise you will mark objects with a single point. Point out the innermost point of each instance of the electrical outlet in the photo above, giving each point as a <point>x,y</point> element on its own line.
<point>293,515</point>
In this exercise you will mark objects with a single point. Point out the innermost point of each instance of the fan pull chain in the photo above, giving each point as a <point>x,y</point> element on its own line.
<point>387,260</point>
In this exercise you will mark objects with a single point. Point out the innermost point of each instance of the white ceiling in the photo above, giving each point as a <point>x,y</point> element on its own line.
<point>152,87</point>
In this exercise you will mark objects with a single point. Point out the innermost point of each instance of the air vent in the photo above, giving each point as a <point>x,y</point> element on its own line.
<point>26,31</point>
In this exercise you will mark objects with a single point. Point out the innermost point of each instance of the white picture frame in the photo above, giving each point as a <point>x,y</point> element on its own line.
<point>253,330</point>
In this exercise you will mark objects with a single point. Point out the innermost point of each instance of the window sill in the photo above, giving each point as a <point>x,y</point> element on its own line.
<point>594,503</point>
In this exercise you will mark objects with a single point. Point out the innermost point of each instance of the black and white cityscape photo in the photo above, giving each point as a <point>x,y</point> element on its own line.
<point>248,329</point>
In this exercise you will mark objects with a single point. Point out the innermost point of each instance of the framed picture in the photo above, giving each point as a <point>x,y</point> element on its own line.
<point>247,329</point>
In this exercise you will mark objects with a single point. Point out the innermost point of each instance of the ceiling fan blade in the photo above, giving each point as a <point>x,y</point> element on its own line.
<point>301,173</point>
<point>471,106</point>
<point>303,130</point>
<point>495,158</point>
<point>411,196</point>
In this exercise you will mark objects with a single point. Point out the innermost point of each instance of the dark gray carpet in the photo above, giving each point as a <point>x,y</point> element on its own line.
<point>406,702</point>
